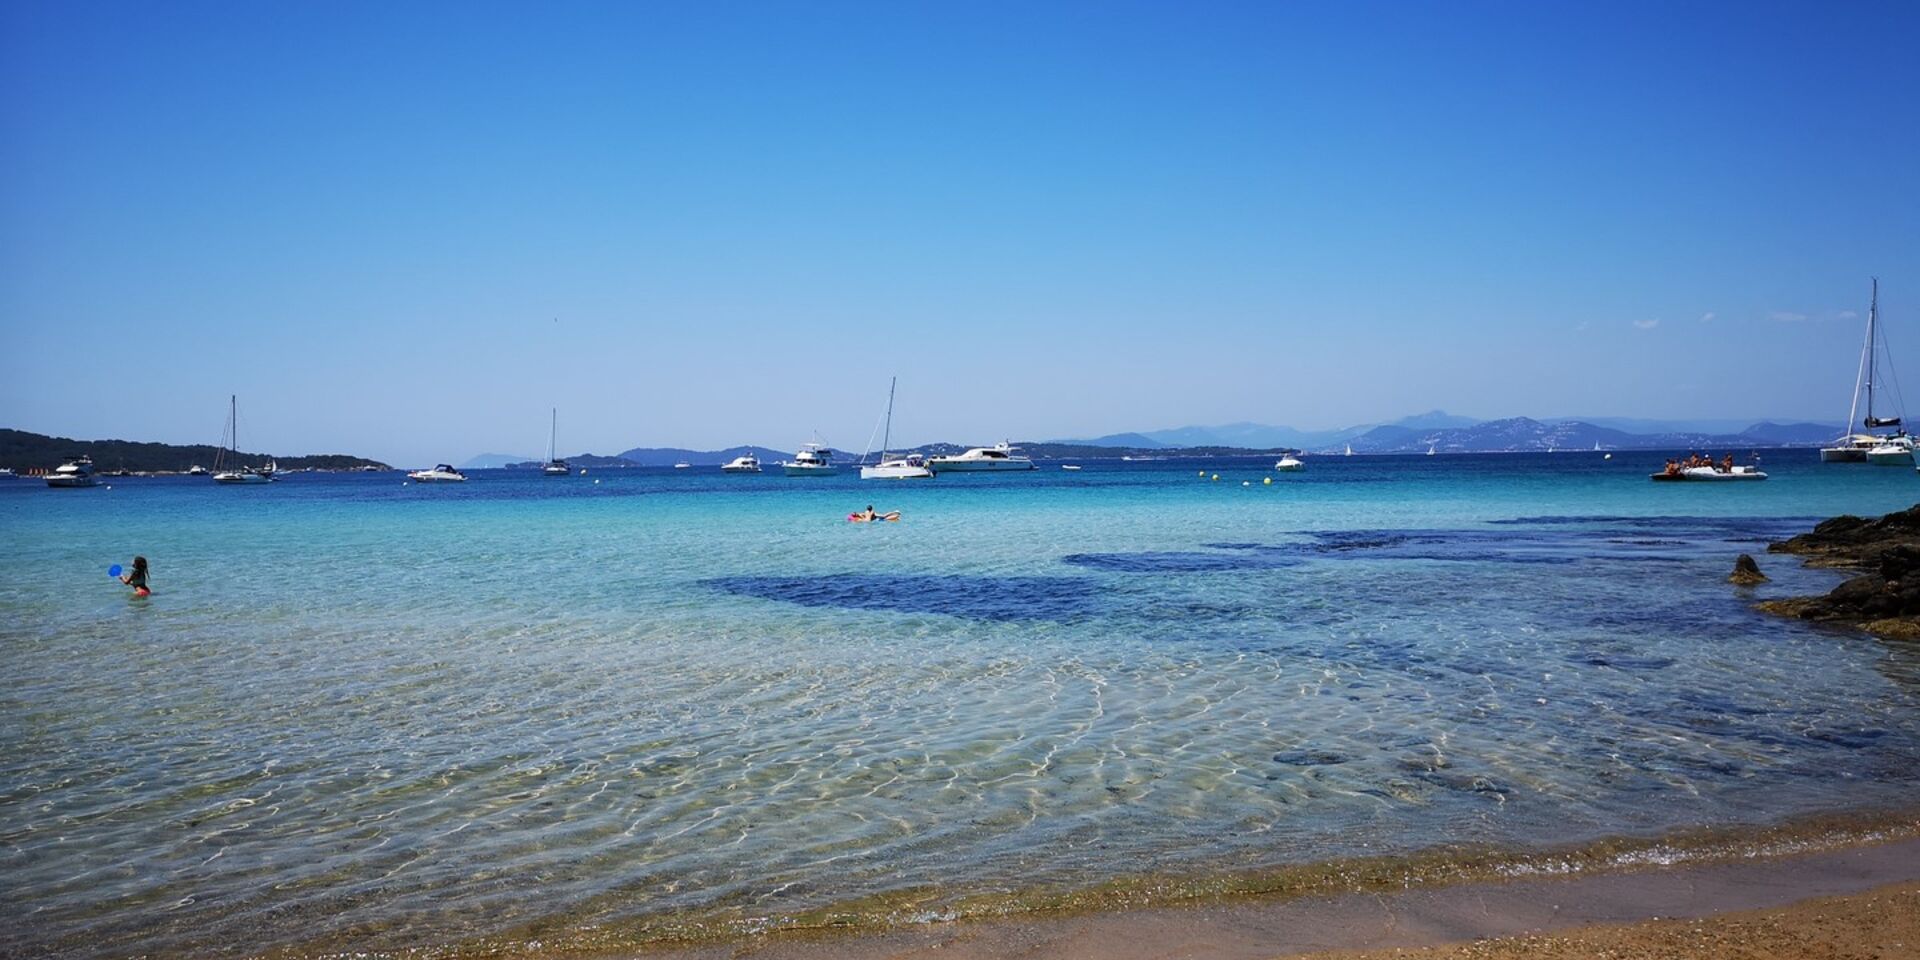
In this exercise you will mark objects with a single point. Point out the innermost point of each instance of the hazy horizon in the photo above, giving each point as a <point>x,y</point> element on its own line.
<point>407,232</point>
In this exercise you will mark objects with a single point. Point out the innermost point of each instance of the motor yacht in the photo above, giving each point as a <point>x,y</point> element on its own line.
<point>196,471</point>
<point>682,465</point>
<point>76,472</point>
<point>980,460</point>
<point>1288,464</point>
<point>745,463</point>
<point>441,473</point>
<point>811,460</point>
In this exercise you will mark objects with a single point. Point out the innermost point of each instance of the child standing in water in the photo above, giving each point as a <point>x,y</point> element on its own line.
<point>137,578</point>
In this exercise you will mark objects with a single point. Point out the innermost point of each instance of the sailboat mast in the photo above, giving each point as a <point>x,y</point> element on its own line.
<point>552,429</point>
<point>886,439</point>
<point>233,417</point>
<point>1873,345</point>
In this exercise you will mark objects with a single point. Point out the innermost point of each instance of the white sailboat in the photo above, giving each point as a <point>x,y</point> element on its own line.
<point>910,467</point>
<point>555,467</point>
<point>1865,446</point>
<point>233,472</point>
<point>1349,449</point>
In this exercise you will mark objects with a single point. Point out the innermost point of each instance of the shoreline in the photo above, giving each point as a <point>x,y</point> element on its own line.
<point>1439,921</point>
<point>1434,897</point>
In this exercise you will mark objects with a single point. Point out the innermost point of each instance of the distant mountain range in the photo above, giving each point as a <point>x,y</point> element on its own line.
<point>1455,434</point>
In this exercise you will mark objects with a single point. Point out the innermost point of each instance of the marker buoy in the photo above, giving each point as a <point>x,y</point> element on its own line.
<point>1216,476</point>
<point>1203,473</point>
<point>1267,482</point>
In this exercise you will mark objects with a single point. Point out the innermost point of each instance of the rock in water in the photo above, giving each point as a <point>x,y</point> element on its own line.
<point>1884,599</point>
<point>1745,572</point>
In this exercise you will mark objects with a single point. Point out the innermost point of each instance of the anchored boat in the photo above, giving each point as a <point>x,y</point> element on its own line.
<point>1880,449</point>
<point>981,460</point>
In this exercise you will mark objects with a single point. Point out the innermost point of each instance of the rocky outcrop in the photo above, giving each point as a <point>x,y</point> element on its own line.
<point>1885,598</point>
<point>1746,573</point>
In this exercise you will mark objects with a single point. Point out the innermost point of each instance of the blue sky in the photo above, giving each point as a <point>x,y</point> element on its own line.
<point>407,230</point>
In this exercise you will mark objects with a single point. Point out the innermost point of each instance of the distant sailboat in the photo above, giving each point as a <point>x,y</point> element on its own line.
<point>229,456</point>
<point>1430,450</point>
<point>1866,446</point>
<point>555,467</point>
<point>910,467</point>
<point>1349,449</point>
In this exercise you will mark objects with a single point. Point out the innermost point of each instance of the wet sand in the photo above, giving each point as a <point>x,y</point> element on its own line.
<point>1758,909</point>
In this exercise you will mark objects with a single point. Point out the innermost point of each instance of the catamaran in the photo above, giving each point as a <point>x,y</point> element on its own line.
<point>555,466</point>
<point>234,472</point>
<point>1884,449</point>
<point>909,467</point>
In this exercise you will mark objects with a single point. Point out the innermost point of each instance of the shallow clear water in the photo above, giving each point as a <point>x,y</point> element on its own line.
<point>383,715</point>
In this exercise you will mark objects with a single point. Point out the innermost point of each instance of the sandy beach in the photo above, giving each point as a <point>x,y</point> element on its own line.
<point>1854,902</point>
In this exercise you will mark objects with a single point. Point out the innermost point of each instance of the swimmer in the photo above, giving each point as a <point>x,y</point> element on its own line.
<point>137,578</point>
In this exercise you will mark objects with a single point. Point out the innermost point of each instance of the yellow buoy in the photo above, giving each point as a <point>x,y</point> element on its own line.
<point>1216,476</point>
<point>1203,473</point>
<point>1268,481</point>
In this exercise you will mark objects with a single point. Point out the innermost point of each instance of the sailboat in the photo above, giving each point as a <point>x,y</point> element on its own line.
<point>1349,449</point>
<point>226,463</point>
<point>910,467</point>
<point>555,466</point>
<point>1886,449</point>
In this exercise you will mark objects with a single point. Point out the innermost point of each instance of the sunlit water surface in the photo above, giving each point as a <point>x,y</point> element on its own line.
<point>387,715</point>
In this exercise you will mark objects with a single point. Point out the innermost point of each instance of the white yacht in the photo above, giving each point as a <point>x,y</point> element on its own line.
<point>981,459</point>
<point>227,469</point>
<point>1894,451</point>
<point>554,467</point>
<point>76,472</point>
<point>441,473</point>
<point>196,471</point>
<point>682,465</point>
<point>6,472</point>
<point>1888,449</point>
<point>1289,464</point>
<point>745,463</point>
<point>909,467</point>
<point>811,460</point>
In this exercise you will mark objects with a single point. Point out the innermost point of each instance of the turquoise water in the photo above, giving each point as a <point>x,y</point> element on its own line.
<point>384,715</point>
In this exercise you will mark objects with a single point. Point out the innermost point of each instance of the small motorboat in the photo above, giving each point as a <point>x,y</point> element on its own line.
<point>1069,466</point>
<point>1709,475</point>
<point>1893,451</point>
<point>441,473</point>
<point>745,463</point>
<point>76,472</point>
<point>1289,464</point>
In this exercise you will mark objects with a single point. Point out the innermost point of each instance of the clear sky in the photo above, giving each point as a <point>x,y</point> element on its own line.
<point>407,229</point>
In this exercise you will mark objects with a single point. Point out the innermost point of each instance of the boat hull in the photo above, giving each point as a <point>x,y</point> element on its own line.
<point>1018,465</point>
<point>1709,475</point>
<point>1891,458</point>
<point>236,479</point>
<point>69,482</point>
<point>886,472</point>
<point>1843,455</point>
<point>792,470</point>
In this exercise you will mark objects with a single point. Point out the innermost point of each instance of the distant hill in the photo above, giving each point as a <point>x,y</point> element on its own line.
<point>668,456</point>
<point>577,460</point>
<point>489,461</point>
<point>1132,441</point>
<point>21,451</point>
<point>1522,434</point>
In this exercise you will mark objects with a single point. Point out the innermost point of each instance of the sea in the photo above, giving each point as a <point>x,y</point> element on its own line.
<point>361,715</point>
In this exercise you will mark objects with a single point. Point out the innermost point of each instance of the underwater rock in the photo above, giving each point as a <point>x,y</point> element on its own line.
<point>1746,572</point>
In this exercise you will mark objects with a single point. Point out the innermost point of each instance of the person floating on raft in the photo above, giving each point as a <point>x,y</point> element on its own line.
<point>869,516</point>
<point>137,578</point>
